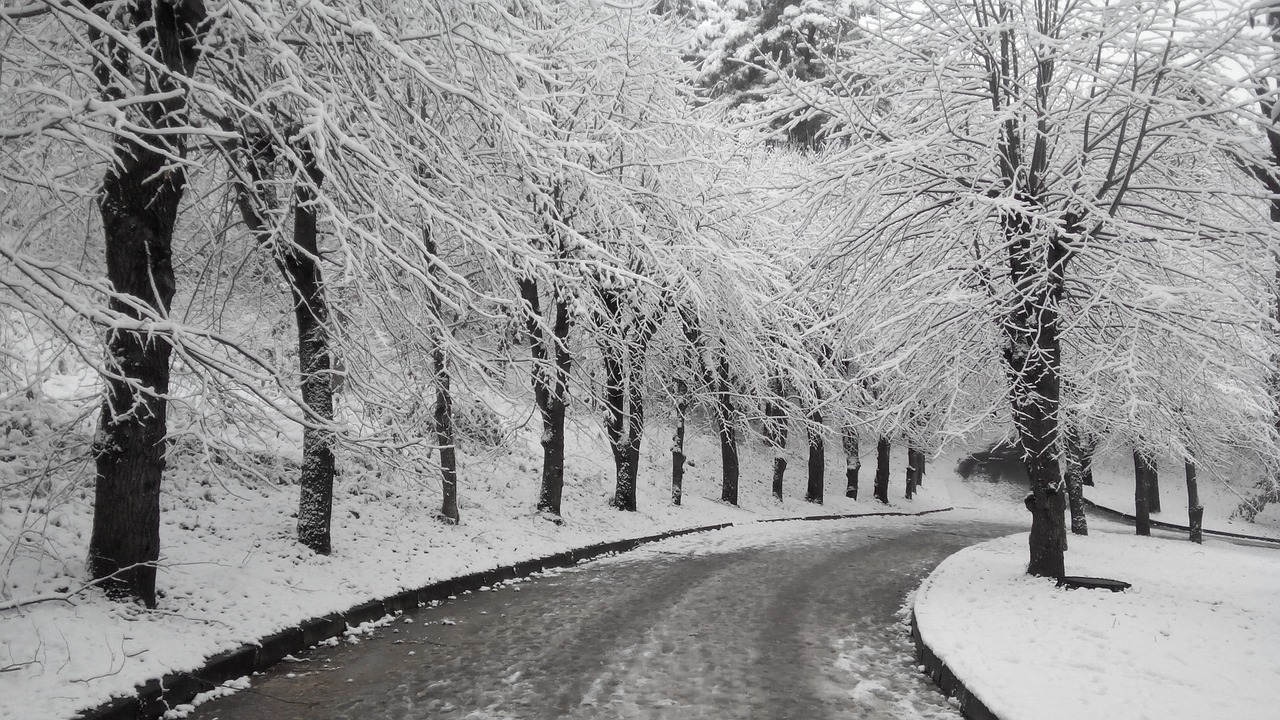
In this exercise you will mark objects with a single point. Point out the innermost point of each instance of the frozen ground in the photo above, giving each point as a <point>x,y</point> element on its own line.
<point>1193,638</point>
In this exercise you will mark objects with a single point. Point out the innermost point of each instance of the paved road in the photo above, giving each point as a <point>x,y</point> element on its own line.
<point>771,621</point>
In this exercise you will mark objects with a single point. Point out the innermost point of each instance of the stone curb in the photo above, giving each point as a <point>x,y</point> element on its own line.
<point>970,706</point>
<point>154,698</point>
<point>1104,510</point>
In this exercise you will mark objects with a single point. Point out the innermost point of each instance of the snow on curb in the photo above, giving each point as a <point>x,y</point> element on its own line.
<point>157,697</point>
<point>971,706</point>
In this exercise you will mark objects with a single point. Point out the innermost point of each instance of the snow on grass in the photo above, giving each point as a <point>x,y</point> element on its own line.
<point>1193,638</point>
<point>231,571</point>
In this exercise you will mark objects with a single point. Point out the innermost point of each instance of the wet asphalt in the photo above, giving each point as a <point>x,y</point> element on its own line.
<point>797,620</point>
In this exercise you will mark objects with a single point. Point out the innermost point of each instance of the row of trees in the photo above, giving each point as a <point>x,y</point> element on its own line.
<point>1079,196</point>
<point>409,189</point>
<point>895,221</point>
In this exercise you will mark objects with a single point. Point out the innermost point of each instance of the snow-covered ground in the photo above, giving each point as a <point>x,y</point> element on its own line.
<point>232,573</point>
<point>1193,638</point>
<point>1220,496</point>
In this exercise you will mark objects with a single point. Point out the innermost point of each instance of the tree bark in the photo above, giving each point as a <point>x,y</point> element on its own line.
<point>615,420</point>
<point>775,435</point>
<point>1195,511</point>
<point>817,459</point>
<point>915,469</point>
<point>1075,484</point>
<point>718,382</point>
<point>852,462</point>
<point>635,433</point>
<point>881,489</point>
<point>677,442</point>
<point>301,264</point>
<point>1032,356</point>
<point>1143,466</point>
<point>551,365</point>
<point>139,204</point>
<point>1153,486</point>
<point>445,436</point>
<point>728,437</point>
<point>624,362</point>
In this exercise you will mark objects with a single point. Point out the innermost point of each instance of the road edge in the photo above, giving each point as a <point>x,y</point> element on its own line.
<point>942,676</point>
<point>154,698</point>
<point>971,707</point>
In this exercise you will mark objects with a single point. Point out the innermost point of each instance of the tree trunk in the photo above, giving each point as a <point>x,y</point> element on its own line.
<point>1143,466</point>
<point>775,435</point>
<point>624,362</point>
<point>915,469</point>
<point>728,438</point>
<point>718,382</point>
<point>881,489</point>
<point>633,433</point>
<point>817,459</point>
<point>1153,487</point>
<point>1195,511</point>
<point>1032,355</point>
<point>445,439</point>
<point>301,265</point>
<point>445,436</point>
<point>677,442</point>
<point>139,204</point>
<point>1048,539</point>
<point>615,421</point>
<point>852,462</point>
<point>1075,484</point>
<point>551,365</point>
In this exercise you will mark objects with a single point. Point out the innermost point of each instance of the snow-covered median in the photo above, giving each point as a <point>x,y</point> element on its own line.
<point>1193,638</point>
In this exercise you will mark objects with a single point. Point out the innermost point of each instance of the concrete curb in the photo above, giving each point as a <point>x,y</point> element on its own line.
<point>1116,514</point>
<point>154,698</point>
<point>970,706</point>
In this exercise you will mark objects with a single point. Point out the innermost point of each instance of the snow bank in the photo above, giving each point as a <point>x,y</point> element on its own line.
<point>1193,638</point>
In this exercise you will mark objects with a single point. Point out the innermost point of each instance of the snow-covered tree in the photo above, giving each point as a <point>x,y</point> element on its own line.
<point>1034,154</point>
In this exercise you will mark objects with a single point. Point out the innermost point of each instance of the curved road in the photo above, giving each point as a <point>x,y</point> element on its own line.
<point>767,621</point>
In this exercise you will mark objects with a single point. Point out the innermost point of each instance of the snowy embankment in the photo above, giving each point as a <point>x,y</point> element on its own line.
<point>1193,638</point>
<point>231,571</point>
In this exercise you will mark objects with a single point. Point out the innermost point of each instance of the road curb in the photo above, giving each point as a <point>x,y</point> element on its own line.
<point>155,697</point>
<point>970,706</point>
<point>1117,514</point>
<point>847,516</point>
